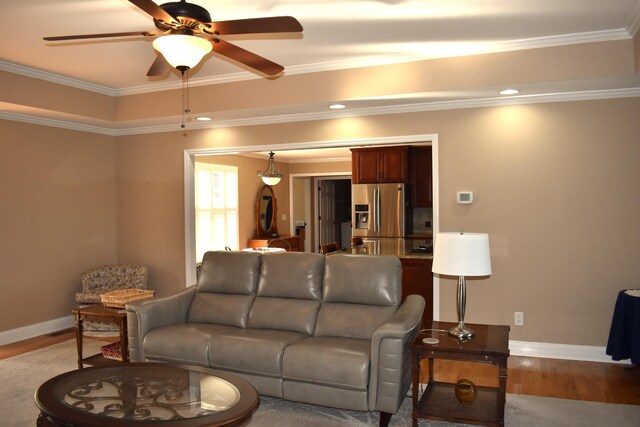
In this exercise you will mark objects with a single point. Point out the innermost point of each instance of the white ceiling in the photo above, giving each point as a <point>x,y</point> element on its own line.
<point>337,34</point>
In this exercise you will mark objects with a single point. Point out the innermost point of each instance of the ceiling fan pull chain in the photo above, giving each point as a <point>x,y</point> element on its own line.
<point>187,109</point>
<point>182,103</point>
<point>185,99</point>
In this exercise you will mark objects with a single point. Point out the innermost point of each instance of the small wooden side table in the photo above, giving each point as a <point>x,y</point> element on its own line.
<point>101,313</point>
<point>489,345</point>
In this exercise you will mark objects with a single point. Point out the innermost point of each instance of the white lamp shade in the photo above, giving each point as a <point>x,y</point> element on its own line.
<point>181,50</point>
<point>462,254</point>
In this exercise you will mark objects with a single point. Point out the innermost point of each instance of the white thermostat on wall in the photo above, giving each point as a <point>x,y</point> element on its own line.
<point>464,197</point>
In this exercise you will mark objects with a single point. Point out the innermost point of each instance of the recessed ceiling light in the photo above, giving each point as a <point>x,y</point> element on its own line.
<point>204,118</point>
<point>509,92</point>
<point>337,106</point>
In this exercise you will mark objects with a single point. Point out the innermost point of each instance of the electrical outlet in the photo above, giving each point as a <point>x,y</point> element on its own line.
<point>284,217</point>
<point>518,318</point>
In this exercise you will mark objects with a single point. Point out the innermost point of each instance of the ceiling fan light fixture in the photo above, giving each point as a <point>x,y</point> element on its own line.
<point>182,51</point>
<point>271,176</point>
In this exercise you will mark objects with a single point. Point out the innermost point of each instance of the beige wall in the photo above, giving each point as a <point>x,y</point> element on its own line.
<point>38,97</point>
<point>321,168</point>
<point>57,218</point>
<point>554,185</point>
<point>636,51</point>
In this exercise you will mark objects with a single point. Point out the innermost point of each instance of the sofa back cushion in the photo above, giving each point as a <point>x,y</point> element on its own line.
<point>360,293</point>
<point>227,285</point>
<point>289,292</point>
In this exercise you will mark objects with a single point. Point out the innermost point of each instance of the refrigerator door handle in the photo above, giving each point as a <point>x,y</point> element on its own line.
<point>378,211</point>
<point>374,218</point>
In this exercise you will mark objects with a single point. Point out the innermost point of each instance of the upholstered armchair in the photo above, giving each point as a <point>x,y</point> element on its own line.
<point>110,278</point>
<point>105,279</point>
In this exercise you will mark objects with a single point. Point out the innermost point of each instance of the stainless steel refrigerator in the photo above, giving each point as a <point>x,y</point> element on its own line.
<point>378,210</point>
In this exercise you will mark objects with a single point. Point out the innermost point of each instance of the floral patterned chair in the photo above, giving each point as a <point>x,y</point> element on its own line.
<point>105,279</point>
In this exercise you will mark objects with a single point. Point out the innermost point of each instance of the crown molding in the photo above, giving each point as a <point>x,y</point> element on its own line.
<point>396,109</point>
<point>56,78</point>
<point>330,115</point>
<point>511,45</point>
<point>62,124</point>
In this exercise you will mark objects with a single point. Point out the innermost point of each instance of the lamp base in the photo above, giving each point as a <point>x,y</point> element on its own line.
<point>461,331</point>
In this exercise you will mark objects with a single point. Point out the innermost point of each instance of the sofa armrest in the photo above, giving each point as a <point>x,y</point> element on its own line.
<point>391,356</point>
<point>143,316</point>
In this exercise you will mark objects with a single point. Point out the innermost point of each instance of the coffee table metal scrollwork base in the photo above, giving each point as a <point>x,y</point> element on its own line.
<point>139,393</point>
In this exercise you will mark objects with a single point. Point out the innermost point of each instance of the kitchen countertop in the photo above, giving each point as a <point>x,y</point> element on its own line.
<point>392,247</point>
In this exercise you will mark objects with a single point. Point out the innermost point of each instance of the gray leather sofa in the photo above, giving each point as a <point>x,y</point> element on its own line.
<point>326,330</point>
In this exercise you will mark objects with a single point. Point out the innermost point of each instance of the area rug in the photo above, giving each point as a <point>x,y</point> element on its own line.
<point>21,375</point>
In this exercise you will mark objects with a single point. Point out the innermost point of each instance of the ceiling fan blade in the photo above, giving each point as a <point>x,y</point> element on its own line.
<point>103,35</point>
<point>247,58</point>
<point>276,24</point>
<point>155,11</point>
<point>159,67</point>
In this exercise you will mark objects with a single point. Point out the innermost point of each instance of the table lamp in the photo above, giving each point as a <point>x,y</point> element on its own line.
<point>461,254</point>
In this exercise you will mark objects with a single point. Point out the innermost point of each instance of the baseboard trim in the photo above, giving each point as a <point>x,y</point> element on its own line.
<point>561,351</point>
<point>516,348</point>
<point>26,332</point>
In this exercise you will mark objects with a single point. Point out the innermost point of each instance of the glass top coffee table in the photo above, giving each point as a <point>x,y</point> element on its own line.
<point>146,394</point>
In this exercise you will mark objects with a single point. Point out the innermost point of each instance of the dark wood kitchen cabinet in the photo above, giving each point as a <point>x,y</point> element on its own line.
<point>418,279</point>
<point>420,177</point>
<point>379,165</point>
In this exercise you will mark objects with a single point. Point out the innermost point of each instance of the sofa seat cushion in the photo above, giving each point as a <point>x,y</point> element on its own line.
<point>182,343</point>
<point>251,351</point>
<point>332,361</point>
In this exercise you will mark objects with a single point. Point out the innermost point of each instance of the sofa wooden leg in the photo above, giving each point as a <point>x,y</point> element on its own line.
<point>385,418</point>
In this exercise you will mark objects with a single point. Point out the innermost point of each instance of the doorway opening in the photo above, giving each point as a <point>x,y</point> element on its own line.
<point>189,192</point>
<point>332,211</point>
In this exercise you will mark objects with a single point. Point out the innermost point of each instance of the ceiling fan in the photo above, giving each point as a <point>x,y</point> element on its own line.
<point>185,34</point>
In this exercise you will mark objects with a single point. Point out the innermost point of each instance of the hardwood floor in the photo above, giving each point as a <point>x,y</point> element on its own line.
<point>31,344</point>
<point>565,379</point>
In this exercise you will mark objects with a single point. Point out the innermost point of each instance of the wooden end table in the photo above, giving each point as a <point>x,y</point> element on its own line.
<point>101,313</point>
<point>489,345</point>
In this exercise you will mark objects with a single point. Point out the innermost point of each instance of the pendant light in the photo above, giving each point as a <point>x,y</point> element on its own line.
<point>271,176</point>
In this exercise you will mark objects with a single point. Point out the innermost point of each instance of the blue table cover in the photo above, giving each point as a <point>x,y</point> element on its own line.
<point>624,336</point>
